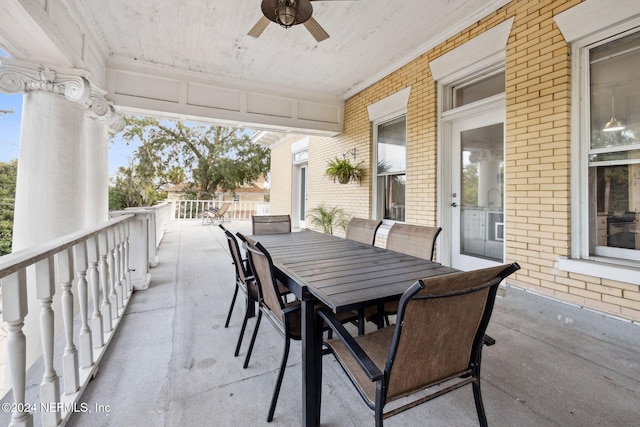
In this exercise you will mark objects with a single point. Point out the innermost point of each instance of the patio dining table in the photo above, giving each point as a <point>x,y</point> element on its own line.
<point>343,275</point>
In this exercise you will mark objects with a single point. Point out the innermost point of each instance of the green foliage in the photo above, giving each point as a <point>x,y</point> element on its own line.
<point>325,218</point>
<point>470,185</point>
<point>344,171</point>
<point>132,190</point>
<point>8,175</point>
<point>206,158</point>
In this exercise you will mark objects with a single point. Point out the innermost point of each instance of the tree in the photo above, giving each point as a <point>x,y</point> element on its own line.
<point>470,184</point>
<point>131,190</point>
<point>8,175</point>
<point>207,158</point>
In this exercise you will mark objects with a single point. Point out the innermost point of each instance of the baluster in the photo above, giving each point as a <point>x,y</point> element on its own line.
<point>118,266</point>
<point>50,386</point>
<point>70,357</point>
<point>123,272</point>
<point>84,338</point>
<point>97,329</point>
<point>103,269</point>
<point>113,278</point>
<point>126,257</point>
<point>14,296</point>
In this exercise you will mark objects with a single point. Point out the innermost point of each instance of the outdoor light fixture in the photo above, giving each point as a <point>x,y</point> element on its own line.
<point>613,124</point>
<point>287,13</point>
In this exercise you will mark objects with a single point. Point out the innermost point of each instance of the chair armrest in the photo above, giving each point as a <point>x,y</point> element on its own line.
<point>363,359</point>
<point>291,309</point>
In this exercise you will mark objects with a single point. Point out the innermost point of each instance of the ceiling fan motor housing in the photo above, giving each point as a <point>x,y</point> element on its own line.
<point>287,13</point>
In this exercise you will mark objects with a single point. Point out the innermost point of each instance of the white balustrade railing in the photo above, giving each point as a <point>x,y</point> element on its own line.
<point>193,209</point>
<point>92,270</point>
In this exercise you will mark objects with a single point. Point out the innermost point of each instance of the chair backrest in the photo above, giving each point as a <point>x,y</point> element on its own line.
<point>270,224</point>
<point>362,230</point>
<point>415,240</point>
<point>262,267</point>
<point>236,255</point>
<point>223,209</point>
<point>439,329</point>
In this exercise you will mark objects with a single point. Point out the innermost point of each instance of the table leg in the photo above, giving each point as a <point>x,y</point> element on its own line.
<point>311,366</point>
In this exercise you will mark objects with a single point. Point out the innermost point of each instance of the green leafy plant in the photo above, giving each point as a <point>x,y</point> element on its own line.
<point>344,171</point>
<point>325,217</point>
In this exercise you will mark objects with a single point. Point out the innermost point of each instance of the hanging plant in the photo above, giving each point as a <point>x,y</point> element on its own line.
<point>344,171</point>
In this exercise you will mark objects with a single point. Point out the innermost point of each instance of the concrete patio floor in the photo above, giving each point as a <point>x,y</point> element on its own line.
<point>171,362</point>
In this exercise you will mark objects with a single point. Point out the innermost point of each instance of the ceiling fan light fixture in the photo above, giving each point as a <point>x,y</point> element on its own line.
<point>287,13</point>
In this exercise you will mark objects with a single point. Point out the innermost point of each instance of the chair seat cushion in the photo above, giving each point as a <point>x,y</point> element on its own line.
<point>376,344</point>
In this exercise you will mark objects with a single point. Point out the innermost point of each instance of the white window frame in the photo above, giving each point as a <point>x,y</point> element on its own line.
<point>374,168</point>
<point>392,107</point>
<point>586,26</point>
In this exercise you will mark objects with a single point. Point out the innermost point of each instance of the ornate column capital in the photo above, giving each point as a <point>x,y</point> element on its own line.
<point>18,76</point>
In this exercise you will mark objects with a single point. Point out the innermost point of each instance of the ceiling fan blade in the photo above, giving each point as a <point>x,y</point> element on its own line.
<point>259,27</point>
<point>316,30</point>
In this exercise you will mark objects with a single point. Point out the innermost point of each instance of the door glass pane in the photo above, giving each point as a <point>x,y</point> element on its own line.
<point>303,193</point>
<point>482,186</point>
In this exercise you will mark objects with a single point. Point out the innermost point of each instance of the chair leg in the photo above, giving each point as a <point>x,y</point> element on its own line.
<point>276,391</point>
<point>253,340</point>
<point>477,397</point>
<point>233,303</point>
<point>244,326</point>
<point>378,415</point>
<point>360,321</point>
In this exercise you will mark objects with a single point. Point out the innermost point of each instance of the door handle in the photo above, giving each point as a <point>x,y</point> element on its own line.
<point>454,204</point>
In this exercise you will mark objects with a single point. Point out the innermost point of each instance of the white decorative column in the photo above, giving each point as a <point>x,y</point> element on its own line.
<point>62,174</point>
<point>96,140</point>
<point>50,185</point>
<point>62,183</point>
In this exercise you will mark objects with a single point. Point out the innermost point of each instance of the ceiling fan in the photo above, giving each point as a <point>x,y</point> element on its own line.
<point>288,13</point>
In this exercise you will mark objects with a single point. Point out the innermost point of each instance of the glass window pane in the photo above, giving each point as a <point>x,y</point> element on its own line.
<point>392,146</point>
<point>391,196</point>
<point>479,89</point>
<point>614,155</point>
<point>615,93</point>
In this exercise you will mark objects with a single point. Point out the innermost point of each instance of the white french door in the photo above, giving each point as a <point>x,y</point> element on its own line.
<point>300,195</point>
<point>475,201</point>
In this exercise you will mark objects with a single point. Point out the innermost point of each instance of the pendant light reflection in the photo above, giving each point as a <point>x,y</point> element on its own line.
<point>613,125</point>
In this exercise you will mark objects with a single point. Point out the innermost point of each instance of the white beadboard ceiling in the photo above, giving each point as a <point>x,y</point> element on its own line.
<point>368,38</point>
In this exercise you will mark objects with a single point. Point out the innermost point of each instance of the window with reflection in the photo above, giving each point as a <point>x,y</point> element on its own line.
<point>614,147</point>
<point>391,157</point>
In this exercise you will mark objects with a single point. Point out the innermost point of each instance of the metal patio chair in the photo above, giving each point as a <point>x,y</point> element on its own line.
<point>415,240</point>
<point>284,316</point>
<point>244,282</point>
<point>362,230</point>
<point>436,342</point>
<point>213,215</point>
<point>270,224</point>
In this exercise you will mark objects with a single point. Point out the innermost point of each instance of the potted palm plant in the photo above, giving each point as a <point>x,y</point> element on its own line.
<point>326,217</point>
<point>344,171</point>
